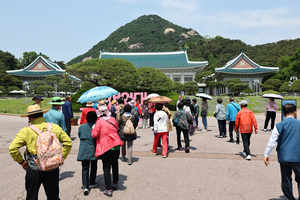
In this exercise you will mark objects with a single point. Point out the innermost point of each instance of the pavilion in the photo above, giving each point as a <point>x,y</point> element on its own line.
<point>175,65</point>
<point>39,69</point>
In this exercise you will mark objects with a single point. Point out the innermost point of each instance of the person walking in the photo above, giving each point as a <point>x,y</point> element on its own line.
<point>68,113</point>
<point>204,112</point>
<point>151,111</point>
<point>196,115</point>
<point>113,109</point>
<point>86,153</point>
<point>182,126</point>
<point>178,101</point>
<point>108,147</point>
<point>28,137</point>
<point>245,120</point>
<point>160,130</point>
<point>89,107</point>
<point>54,116</point>
<point>144,108</point>
<point>231,111</point>
<point>287,136</point>
<point>120,109</point>
<point>220,114</point>
<point>271,108</point>
<point>128,115</point>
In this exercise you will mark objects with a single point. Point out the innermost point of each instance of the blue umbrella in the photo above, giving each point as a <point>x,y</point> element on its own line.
<point>97,93</point>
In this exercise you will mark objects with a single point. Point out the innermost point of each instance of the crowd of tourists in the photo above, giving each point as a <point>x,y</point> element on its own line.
<point>106,131</point>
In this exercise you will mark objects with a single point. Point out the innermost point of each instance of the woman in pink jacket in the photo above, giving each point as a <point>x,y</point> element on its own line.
<point>108,147</point>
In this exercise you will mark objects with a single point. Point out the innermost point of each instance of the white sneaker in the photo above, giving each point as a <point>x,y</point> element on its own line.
<point>244,154</point>
<point>248,157</point>
<point>204,130</point>
<point>265,130</point>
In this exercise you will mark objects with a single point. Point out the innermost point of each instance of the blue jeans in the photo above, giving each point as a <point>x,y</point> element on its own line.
<point>286,169</point>
<point>204,121</point>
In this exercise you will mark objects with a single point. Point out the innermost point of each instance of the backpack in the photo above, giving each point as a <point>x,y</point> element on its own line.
<point>49,154</point>
<point>128,128</point>
<point>175,122</point>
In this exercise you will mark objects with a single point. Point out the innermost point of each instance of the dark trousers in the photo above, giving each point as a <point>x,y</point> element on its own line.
<point>231,127</point>
<point>246,142</point>
<point>286,169</point>
<point>270,115</point>
<point>196,119</point>
<point>222,127</point>
<point>85,172</point>
<point>50,181</point>
<point>185,135</point>
<point>110,159</point>
<point>151,119</point>
<point>68,127</point>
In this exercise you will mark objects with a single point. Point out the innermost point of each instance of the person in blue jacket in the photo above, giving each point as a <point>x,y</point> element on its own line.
<point>68,113</point>
<point>231,111</point>
<point>54,116</point>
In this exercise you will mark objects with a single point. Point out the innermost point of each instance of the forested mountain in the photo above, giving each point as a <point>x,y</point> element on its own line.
<point>149,33</point>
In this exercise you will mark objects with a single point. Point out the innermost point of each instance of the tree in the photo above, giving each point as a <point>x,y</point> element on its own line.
<point>65,87</point>
<point>271,84</point>
<point>236,85</point>
<point>295,85</point>
<point>153,80</point>
<point>34,85</point>
<point>11,88</point>
<point>248,90</point>
<point>191,87</point>
<point>52,80</point>
<point>86,85</point>
<point>7,80</point>
<point>284,87</point>
<point>8,61</point>
<point>176,86</point>
<point>28,58</point>
<point>3,90</point>
<point>45,89</point>
<point>61,64</point>
<point>218,85</point>
<point>112,72</point>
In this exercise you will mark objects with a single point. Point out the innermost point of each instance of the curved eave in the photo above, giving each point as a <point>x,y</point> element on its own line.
<point>35,73</point>
<point>247,71</point>
<point>74,78</point>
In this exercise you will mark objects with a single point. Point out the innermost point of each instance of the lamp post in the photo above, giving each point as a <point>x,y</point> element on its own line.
<point>256,82</point>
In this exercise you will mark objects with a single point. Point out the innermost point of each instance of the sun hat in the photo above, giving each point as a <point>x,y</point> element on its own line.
<point>132,102</point>
<point>34,109</point>
<point>129,99</point>
<point>103,110</point>
<point>37,97</point>
<point>101,103</point>
<point>56,101</point>
<point>244,102</point>
<point>113,101</point>
<point>89,104</point>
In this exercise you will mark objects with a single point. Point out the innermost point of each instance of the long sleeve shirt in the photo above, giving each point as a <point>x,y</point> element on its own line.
<point>67,110</point>
<point>56,117</point>
<point>160,122</point>
<point>84,113</point>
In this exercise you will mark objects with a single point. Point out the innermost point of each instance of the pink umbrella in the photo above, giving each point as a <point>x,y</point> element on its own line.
<point>274,96</point>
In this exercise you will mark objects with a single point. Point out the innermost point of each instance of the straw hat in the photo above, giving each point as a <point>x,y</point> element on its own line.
<point>34,109</point>
<point>113,101</point>
<point>89,104</point>
<point>56,101</point>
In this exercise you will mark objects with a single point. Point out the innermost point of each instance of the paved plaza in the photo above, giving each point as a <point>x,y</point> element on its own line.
<point>214,168</point>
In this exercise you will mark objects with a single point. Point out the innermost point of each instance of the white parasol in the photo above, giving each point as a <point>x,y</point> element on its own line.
<point>203,95</point>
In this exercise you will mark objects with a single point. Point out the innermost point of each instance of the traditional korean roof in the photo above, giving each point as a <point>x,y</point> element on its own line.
<point>39,67</point>
<point>244,65</point>
<point>158,60</point>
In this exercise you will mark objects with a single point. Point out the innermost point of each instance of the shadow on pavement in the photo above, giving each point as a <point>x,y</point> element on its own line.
<point>280,197</point>
<point>101,183</point>
<point>67,174</point>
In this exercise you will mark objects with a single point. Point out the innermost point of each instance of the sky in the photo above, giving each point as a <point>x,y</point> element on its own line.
<point>64,29</point>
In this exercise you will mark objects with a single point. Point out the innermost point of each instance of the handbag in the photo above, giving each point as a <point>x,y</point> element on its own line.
<point>203,113</point>
<point>175,123</point>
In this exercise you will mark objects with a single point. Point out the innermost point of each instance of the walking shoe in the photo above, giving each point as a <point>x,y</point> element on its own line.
<point>225,136</point>
<point>164,156</point>
<point>86,191</point>
<point>154,153</point>
<point>123,158</point>
<point>231,140</point>
<point>92,185</point>
<point>248,157</point>
<point>115,186</point>
<point>237,140</point>
<point>220,136</point>
<point>187,150</point>
<point>204,130</point>
<point>179,149</point>
<point>129,163</point>
<point>244,154</point>
<point>265,130</point>
<point>108,193</point>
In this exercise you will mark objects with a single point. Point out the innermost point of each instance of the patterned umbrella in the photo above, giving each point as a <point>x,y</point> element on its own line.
<point>97,93</point>
<point>160,99</point>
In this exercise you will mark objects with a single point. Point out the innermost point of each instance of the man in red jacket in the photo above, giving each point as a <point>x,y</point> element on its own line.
<point>245,119</point>
<point>89,107</point>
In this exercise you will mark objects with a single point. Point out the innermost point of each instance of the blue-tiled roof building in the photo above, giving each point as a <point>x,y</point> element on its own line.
<point>175,65</point>
<point>244,68</point>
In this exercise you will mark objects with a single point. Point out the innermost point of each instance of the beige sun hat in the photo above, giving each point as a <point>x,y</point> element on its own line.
<point>34,109</point>
<point>89,104</point>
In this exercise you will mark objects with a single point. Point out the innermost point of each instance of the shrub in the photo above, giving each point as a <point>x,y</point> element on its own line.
<point>76,105</point>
